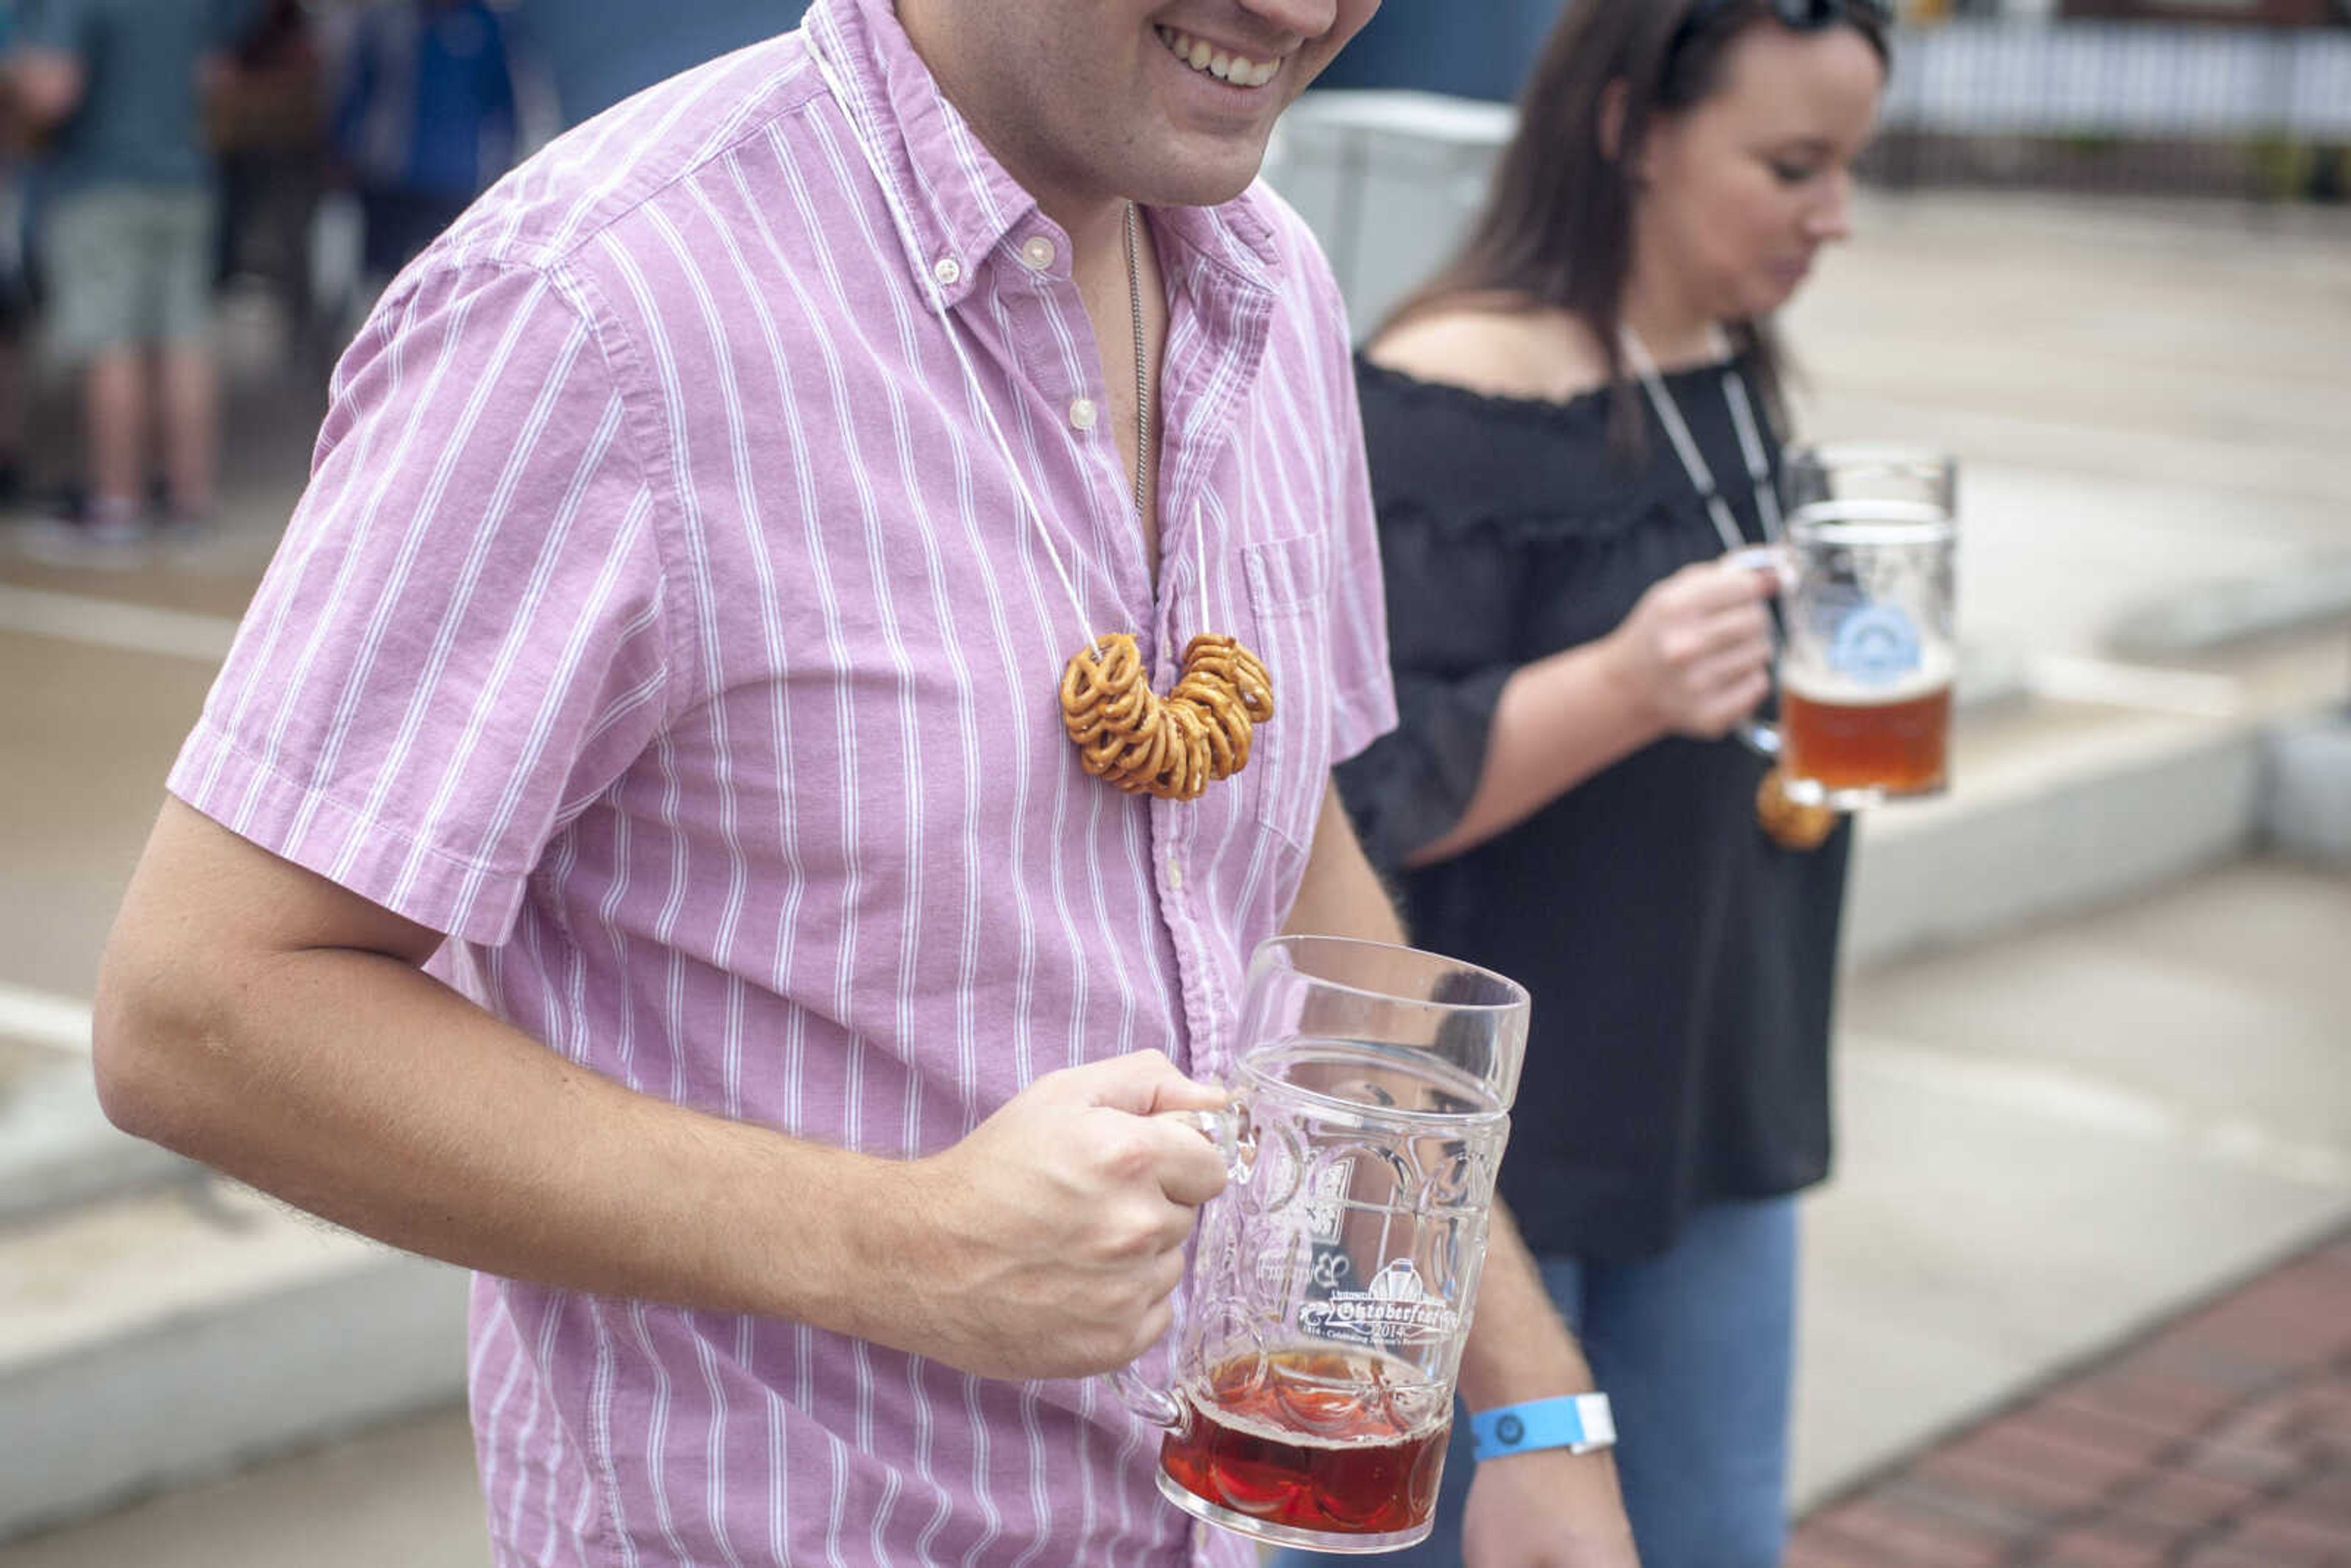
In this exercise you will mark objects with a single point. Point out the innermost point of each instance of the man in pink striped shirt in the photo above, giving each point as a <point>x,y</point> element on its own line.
<point>632,850</point>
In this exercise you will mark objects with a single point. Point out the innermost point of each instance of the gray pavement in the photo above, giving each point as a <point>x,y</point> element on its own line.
<point>2096,1058</point>
<point>2051,1137</point>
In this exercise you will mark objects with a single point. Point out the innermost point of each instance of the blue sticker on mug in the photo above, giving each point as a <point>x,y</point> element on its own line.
<point>1877,645</point>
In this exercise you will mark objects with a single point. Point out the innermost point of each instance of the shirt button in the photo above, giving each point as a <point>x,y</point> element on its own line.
<point>1037,252</point>
<point>1082,414</point>
<point>1174,874</point>
<point>947,270</point>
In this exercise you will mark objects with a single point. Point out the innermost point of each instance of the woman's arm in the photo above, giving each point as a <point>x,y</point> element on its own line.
<point>1691,659</point>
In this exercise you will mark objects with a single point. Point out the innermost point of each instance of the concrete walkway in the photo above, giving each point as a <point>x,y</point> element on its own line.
<point>2095,1061</point>
<point>2053,1137</point>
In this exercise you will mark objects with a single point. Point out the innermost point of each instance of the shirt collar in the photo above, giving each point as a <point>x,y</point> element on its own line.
<point>958,203</point>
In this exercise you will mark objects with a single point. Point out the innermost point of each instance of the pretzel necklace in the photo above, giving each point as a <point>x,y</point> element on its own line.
<point>1174,747</point>
<point>1171,748</point>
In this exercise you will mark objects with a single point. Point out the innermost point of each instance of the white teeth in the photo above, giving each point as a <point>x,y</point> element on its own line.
<point>1201,56</point>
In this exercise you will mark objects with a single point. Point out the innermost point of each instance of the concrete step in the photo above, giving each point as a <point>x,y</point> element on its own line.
<point>400,1495</point>
<point>159,1337</point>
<point>57,1152</point>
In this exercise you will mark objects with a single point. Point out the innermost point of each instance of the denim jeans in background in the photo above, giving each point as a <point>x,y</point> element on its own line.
<point>1695,1349</point>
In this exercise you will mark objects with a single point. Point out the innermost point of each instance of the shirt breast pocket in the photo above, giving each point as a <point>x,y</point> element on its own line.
<point>1290,606</point>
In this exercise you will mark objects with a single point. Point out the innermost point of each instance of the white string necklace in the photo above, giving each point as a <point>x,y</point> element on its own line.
<point>1750,443</point>
<point>1173,746</point>
<point>1791,824</point>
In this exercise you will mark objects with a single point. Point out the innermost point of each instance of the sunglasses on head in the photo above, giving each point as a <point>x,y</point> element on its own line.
<point>1804,16</point>
<point>1872,16</point>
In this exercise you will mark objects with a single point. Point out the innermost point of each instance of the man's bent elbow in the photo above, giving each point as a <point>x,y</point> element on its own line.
<point>138,1047</point>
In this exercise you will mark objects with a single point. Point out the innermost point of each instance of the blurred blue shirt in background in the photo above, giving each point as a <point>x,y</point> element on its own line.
<point>140,121</point>
<point>597,52</point>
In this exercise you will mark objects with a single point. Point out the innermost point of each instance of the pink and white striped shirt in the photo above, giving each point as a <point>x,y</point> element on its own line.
<point>661,623</point>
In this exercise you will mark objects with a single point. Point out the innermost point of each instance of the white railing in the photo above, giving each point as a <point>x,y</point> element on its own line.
<point>2122,79</point>
<point>1389,179</point>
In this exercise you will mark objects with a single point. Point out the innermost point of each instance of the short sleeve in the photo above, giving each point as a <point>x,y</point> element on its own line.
<point>461,641</point>
<point>1361,678</point>
<point>1451,609</point>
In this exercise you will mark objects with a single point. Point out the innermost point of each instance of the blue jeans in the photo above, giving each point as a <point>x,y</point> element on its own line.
<point>1695,1350</point>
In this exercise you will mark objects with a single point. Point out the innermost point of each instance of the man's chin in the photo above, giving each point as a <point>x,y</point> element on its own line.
<point>1203,181</point>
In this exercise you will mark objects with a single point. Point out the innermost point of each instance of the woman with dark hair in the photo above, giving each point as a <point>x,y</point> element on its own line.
<point>1569,427</point>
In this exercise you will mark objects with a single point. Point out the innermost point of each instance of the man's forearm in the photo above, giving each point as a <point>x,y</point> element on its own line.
<point>1520,1348</point>
<point>361,1090</point>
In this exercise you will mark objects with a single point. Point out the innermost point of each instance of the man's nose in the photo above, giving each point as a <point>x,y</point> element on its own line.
<point>1298,19</point>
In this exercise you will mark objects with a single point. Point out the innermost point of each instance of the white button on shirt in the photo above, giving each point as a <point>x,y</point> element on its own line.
<point>947,270</point>
<point>1037,252</point>
<point>1082,414</point>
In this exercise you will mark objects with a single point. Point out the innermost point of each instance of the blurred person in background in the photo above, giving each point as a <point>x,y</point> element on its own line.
<point>114,90</point>
<point>1564,799</point>
<point>268,132</point>
<point>424,122</point>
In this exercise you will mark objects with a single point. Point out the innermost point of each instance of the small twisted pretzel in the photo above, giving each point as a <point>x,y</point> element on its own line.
<point>1212,653</point>
<point>1173,747</point>
<point>1224,716</point>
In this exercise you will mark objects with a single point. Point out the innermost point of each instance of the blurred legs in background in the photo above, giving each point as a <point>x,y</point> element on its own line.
<point>129,272</point>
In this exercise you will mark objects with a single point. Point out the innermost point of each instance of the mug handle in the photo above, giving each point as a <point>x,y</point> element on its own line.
<point>1146,1399</point>
<point>1761,736</point>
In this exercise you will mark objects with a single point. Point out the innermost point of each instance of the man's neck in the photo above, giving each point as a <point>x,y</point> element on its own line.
<point>1093,219</point>
<point>1094,222</point>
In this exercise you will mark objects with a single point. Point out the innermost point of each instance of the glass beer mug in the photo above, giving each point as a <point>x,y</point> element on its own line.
<point>1331,1292</point>
<point>1867,654</point>
<point>1856,471</point>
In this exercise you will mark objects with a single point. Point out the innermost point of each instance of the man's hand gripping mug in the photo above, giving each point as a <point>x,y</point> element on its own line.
<point>1313,1369</point>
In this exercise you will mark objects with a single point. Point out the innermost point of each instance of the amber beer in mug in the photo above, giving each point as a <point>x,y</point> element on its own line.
<point>1867,654</point>
<point>1845,742</point>
<point>1286,1438</point>
<point>1308,1389</point>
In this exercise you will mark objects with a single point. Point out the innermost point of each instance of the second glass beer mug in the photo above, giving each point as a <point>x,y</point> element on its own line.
<point>1868,655</point>
<point>1331,1293</point>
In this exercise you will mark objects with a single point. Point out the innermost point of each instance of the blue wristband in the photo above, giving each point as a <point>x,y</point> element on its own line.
<point>1580,1423</point>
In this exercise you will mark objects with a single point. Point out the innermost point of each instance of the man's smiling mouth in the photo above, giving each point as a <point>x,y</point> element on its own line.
<point>1209,61</point>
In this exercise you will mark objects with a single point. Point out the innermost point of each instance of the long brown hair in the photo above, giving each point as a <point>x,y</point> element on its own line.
<point>1556,230</point>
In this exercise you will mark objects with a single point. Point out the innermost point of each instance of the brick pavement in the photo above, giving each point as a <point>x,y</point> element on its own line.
<point>2219,1440</point>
